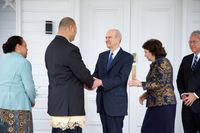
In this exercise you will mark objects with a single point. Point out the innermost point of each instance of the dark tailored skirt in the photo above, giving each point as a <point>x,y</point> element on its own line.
<point>159,119</point>
<point>15,121</point>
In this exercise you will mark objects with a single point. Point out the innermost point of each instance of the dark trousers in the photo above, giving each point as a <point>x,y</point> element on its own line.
<point>111,124</point>
<point>159,119</point>
<point>191,120</point>
<point>58,130</point>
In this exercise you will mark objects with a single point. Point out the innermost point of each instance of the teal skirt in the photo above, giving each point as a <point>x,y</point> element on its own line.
<point>15,121</point>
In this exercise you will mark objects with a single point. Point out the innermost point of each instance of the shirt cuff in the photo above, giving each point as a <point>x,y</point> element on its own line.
<point>181,94</point>
<point>196,95</point>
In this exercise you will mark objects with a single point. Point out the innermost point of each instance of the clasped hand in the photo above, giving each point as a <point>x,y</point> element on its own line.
<point>188,98</point>
<point>97,82</point>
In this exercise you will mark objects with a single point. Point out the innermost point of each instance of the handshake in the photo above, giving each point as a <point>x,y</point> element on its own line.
<point>97,82</point>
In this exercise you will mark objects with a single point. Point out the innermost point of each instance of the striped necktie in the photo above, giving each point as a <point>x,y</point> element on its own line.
<point>194,64</point>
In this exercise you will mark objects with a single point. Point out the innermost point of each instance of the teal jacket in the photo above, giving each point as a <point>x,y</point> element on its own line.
<point>17,89</point>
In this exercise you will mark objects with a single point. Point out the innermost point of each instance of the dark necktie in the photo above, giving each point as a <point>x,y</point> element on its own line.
<point>110,59</point>
<point>194,64</point>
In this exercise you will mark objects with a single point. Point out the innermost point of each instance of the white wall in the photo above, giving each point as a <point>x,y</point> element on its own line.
<point>191,22</point>
<point>171,21</point>
<point>33,16</point>
<point>96,17</point>
<point>158,19</point>
<point>7,23</point>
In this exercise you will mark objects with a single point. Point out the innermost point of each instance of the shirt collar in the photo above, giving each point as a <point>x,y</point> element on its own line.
<point>115,52</point>
<point>17,54</point>
<point>198,55</point>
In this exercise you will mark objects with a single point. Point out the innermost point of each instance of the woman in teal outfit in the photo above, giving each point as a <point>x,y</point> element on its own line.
<point>17,88</point>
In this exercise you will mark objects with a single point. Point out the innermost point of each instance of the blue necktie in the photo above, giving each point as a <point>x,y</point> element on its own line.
<point>194,64</point>
<point>110,59</point>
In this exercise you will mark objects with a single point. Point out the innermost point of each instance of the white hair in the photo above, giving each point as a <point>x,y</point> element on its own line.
<point>195,33</point>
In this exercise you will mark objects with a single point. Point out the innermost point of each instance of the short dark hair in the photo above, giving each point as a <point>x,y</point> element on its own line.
<point>10,44</point>
<point>155,47</point>
<point>66,21</point>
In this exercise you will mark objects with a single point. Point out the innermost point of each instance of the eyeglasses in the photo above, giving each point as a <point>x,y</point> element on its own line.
<point>193,42</point>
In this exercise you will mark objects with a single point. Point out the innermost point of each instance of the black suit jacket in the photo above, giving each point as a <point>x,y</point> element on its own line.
<point>113,95</point>
<point>189,81</point>
<point>67,74</point>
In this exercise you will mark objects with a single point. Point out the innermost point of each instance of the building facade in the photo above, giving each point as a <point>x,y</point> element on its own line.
<point>170,21</point>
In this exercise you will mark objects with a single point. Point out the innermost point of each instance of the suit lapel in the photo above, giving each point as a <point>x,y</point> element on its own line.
<point>116,59</point>
<point>189,63</point>
<point>106,60</point>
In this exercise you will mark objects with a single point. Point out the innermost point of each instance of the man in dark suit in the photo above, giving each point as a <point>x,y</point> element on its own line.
<point>188,82</point>
<point>113,68</point>
<point>67,75</point>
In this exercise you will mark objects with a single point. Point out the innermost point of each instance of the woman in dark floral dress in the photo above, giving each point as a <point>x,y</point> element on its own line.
<point>159,91</point>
